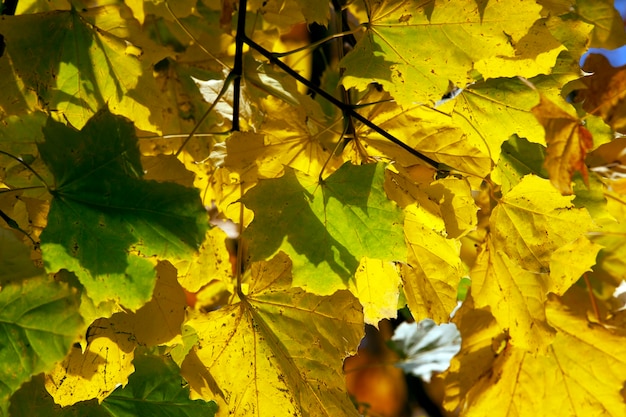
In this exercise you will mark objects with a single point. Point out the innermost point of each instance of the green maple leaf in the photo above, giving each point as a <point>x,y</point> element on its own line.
<point>326,228</point>
<point>104,214</point>
<point>39,318</point>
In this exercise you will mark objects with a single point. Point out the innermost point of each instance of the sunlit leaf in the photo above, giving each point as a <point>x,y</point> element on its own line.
<point>500,372</point>
<point>471,33</point>
<point>377,286</point>
<point>326,227</point>
<point>533,220</point>
<point>285,344</point>
<point>568,143</point>
<point>39,319</point>
<point>96,372</point>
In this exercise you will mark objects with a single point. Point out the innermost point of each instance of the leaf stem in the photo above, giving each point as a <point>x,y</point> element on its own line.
<point>347,109</point>
<point>13,225</point>
<point>594,304</point>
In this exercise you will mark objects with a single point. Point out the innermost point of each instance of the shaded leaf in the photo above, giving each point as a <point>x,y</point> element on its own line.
<point>326,227</point>
<point>608,31</point>
<point>285,344</point>
<point>65,51</point>
<point>102,204</point>
<point>519,158</point>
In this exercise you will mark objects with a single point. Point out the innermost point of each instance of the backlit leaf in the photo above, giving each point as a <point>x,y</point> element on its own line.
<point>39,319</point>
<point>533,220</point>
<point>326,227</point>
<point>501,372</point>
<point>415,72</point>
<point>605,92</point>
<point>377,286</point>
<point>67,56</point>
<point>96,372</point>
<point>568,143</point>
<point>278,350</point>
<point>154,389</point>
<point>103,214</point>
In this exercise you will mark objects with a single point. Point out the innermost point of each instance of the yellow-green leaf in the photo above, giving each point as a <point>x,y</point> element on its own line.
<point>278,350</point>
<point>470,33</point>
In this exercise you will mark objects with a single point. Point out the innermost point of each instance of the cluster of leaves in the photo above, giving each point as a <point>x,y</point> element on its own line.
<point>127,129</point>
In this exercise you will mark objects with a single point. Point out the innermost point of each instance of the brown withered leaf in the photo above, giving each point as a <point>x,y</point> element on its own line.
<point>568,143</point>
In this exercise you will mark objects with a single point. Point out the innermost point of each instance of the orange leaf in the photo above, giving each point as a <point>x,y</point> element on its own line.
<point>568,144</point>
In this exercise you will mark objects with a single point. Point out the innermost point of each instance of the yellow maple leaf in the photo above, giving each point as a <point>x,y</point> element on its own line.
<point>568,143</point>
<point>377,288</point>
<point>533,220</point>
<point>516,298</point>
<point>570,379</point>
<point>471,34</point>
<point>278,350</point>
<point>434,267</point>
<point>211,262</point>
<point>95,373</point>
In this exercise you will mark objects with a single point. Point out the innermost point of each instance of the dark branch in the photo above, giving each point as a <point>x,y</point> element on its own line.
<point>347,109</point>
<point>237,71</point>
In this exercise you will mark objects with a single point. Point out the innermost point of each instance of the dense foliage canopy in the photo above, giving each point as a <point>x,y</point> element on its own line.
<point>193,222</point>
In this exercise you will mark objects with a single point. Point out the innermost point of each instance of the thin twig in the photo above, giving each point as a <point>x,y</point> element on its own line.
<point>337,103</point>
<point>225,87</point>
<point>238,68</point>
<point>27,167</point>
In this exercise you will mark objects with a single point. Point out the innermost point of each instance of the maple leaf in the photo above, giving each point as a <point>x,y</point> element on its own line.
<point>39,318</point>
<point>155,388</point>
<point>604,95</point>
<point>96,372</point>
<point>104,195</point>
<point>568,143</point>
<point>61,66</point>
<point>608,31</point>
<point>327,226</point>
<point>533,220</point>
<point>377,286</point>
<point>415,72</point>
<point>286,345</point>
<point>434,267</point>
<point>427,130</point>
<point>500,372</point>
